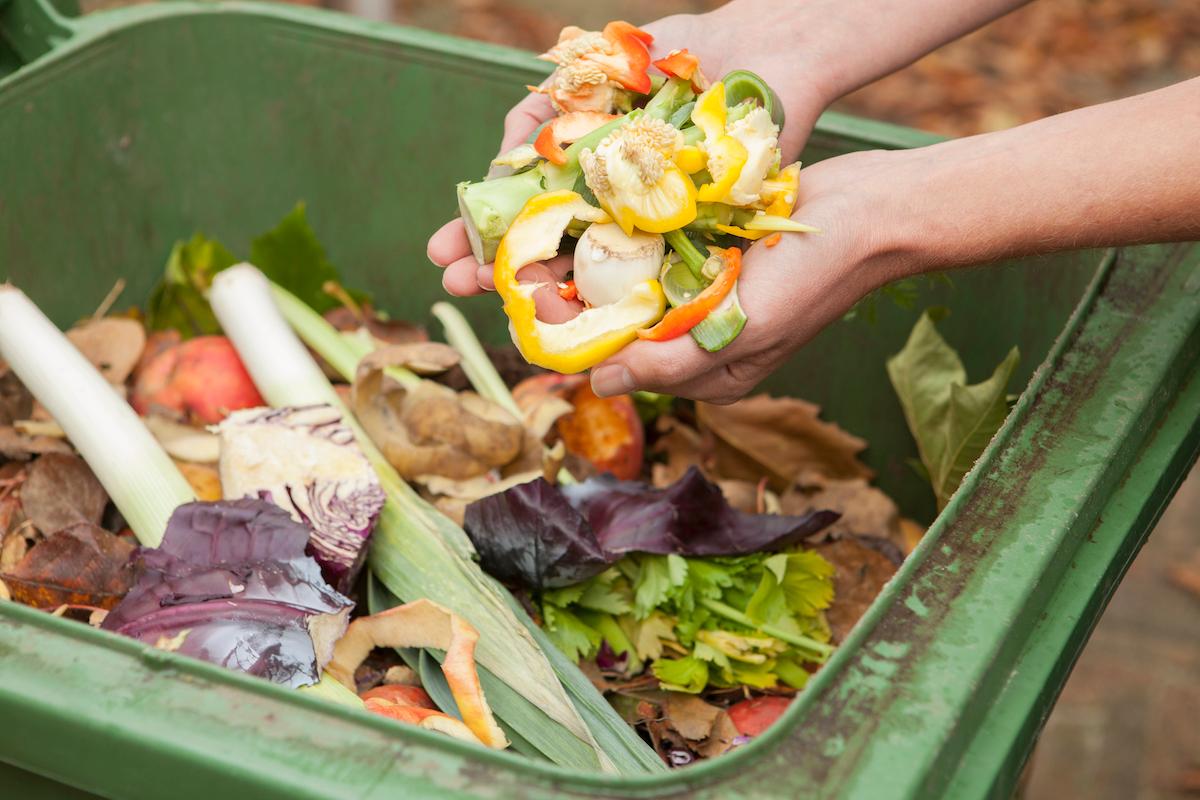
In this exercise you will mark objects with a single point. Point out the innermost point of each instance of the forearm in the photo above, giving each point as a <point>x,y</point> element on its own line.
<point>1116,174</point>
<point>837,46</point>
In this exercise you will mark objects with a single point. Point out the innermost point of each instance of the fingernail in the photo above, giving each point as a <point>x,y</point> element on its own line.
<point>612,380</point>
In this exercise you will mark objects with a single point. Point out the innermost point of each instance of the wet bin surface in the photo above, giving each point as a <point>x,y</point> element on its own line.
<point>143,125</point>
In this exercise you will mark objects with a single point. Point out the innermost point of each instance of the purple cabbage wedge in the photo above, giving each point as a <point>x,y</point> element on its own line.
<point>231,584</point>
<point>542,536</point>
<point>305,460</point>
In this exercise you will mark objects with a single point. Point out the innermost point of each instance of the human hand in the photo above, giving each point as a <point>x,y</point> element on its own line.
<point>790,291</point>
<point>742,35</point>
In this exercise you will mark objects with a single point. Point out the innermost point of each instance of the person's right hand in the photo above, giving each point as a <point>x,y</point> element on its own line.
<point>740,35</point>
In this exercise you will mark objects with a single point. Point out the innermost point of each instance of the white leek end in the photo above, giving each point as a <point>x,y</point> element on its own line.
<point>282,369</point>
<point>137,473</point>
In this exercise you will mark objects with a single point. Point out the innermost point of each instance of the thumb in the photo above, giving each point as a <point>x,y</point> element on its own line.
<point>523,118</point>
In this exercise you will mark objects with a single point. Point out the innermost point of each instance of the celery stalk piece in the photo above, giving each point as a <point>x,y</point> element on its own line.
<point>489,207</point>
<point>331,690</point>
<point>682,281</point>
<point>137,473</point>
<point>475,362</point>
<point>415,551</point>
<point>722,325</point>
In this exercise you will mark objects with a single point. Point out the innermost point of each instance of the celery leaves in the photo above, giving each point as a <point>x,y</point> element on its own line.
<point>749,620</point>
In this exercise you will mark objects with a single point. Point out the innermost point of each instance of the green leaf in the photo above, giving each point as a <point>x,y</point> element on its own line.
<point>290,255</point>
<point>951,422</point>
<point>808,583</point>
<point>649,634</point>
<point>606,597</point>
<point>656,577</point>
<point>178,301</point>
<point>688,674</point>
<point>569,633</point>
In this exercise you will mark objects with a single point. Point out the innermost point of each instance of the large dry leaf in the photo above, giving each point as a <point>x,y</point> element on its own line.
<point>865,510</point>
<point>431,430</point>
<point>860,573</point>
<point>60,491</point>
<point>114,345</point>
<point>80,565</point>
<point>691,716</point>
<point>680,446</point>
<point>779,437</point>
<point>423,358</point>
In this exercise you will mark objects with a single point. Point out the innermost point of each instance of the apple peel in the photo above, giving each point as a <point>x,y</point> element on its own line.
<point>426,625</point>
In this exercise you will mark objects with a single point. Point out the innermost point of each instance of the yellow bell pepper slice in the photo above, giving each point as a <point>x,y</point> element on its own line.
<point>594,335</point>
<point>635,178</point>
<point>779,194</point>
<point>726,155</point>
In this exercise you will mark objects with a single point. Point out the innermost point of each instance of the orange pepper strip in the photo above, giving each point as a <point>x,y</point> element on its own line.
<point>773,239</point>
<point>681,319</point>
<point>565,129</point>
<point>682,64</point>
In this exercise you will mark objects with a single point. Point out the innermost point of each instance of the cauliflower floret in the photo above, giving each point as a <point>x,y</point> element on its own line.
<point>760,136</point>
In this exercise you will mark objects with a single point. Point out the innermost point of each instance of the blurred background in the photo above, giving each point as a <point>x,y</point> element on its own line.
<point>1128,723</point>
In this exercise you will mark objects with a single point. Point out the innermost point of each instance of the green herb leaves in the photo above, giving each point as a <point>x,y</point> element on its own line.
<point>951,421</point>
<point>289,255</point>
<point>748,620</point>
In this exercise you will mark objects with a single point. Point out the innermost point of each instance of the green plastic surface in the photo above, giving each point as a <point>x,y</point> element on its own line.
<point>133,128</point>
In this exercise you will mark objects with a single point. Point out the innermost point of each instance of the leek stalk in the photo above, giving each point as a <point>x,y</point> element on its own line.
<point>415,551</point>
<point>139,476</point>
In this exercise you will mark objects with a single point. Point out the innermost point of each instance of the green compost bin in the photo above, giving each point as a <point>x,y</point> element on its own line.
<point>124,131</point>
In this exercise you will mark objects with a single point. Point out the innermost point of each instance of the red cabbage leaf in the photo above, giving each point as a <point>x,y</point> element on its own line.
<point>542,536</point>
<point>231,584</point>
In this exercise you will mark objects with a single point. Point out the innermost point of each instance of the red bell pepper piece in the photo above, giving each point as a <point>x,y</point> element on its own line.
<point>681,319</point>
<point>566,129</point>
<point>567,291</point>
<point>629,66</point>
<point>684,65</point>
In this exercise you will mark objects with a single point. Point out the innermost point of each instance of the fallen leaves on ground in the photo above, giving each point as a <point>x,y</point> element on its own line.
<point>860,573</point>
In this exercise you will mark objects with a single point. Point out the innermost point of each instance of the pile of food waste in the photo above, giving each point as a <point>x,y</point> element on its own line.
<point>259,468</point>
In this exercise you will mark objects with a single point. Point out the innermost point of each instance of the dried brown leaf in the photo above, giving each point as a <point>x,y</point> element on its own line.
<point>779,437</point>
<point>21,447</point>
<point>860,573</point>
<point>15,400</point>
<point>79,565</point>
<point>681,446</point>
<point>865,510</point>
<point>423,358</point>
<point>114,345</point>
<point>60,491</point>
<point>690,716</point>
<point>386,331</point>
<point>721,739</point>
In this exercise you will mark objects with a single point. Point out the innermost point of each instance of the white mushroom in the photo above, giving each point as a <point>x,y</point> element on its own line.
<point>609,264</point>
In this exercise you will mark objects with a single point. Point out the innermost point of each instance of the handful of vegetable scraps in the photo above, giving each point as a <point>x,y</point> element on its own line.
<point>661,179</point>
